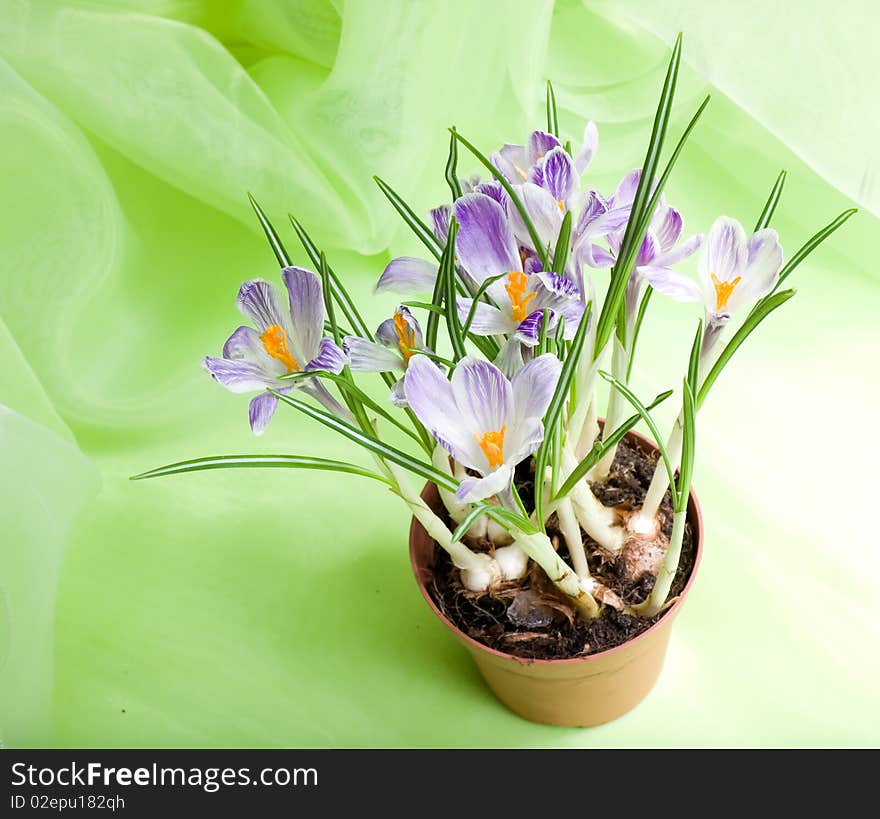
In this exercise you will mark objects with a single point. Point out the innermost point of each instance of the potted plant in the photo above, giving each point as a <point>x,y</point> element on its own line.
<point>557,546</point>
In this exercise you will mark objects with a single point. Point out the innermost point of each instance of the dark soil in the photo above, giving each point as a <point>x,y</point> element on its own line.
<point>530,618</point>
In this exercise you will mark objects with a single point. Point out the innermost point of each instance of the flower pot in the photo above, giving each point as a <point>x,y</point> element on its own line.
<point>583,691</point>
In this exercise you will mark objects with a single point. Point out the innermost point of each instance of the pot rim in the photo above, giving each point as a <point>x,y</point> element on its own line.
<point>694,516</point>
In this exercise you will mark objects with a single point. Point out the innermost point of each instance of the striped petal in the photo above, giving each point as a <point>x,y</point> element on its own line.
<point>471,490</point>
<point>485,244</point>
<point>588,148</point>
<point>258,301</point>
<point>306,311</point>
<point>260,411</point>
<point>329,358</point>
<point>408,276</point>
<point>369,357</point>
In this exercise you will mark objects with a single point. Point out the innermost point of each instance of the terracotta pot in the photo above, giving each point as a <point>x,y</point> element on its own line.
<point>584,691</point>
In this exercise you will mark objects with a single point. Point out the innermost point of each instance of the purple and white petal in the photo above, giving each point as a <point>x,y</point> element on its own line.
<point>430,396</point>
<point>237,375</point>
<point>626,189</point>
<point>483,395</point>
<point>329,358</point>
<point>539,144</point>
<point>529,330</point>
<point>597,256</point>
<point>245,344</point>
<point>536,174</point>
<point>487,321</point>
<point>258,301</point>
<point>471,490</point>
<point>525,441</point>
<point>725,253</point>
<point>533,387</point>
<point>559,285</point>
<point>314,388</point>
<point>764,262</point>
<point>513,162</point>
<point>397,396</point>
<point>673,284</point>
<point>687,248</point>
<point>368,357</point>
<point>559,174</point>
<point>306,311</point>
<point>649,249</point>
<point>408,275</point>
<point>440,222</point>
<point>667,225</point>
<point>545,213</point>
<point>485,244</point>
<point>260,411</point>
<point>588,148</point>
<point>493,190</point>
<point>592,211</point>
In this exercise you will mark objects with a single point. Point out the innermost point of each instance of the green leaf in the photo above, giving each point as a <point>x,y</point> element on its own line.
<point>642,410</point>
<point>560,257</point>
<point>447,274</point>
<point>348,387</point>
<point>349,308</point>
<point>425,305</point>
<point>772,201</point>
<point>274,240</point>
<point>688,447</point>
<point>552,119</point>
<point>259,461</point>
<point>370,443</point>
<point>416,225</point>
<point>499,513</point>
<point>811,244</point>
<point>762,309</point>
<point>637,329</point>
<point>542,332</point>
<point>605,445</point>
<point>554,411</point>
<point>451,168</point>
<point>693,373</point>
<point>327,290</point>
<point>514,197</point>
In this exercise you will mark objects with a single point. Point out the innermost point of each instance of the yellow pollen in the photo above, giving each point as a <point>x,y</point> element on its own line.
<point>561,204</point>
<point>519,299</point>
<point>406,337</point>
<point>275,343</point>
<point>521,172</point>
<point>492,444</point>
<point>723,290</point>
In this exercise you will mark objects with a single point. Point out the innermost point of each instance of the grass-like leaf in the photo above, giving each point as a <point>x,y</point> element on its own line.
<point>452,168</point>
<point>771,203</point>
<point>554,411</point>
<point>514,197</point>
<point>693,373</point>
<point>688,447</point>
<point>642,410</point>
<point>447,274</point>
<point>497,512</point>
<point>259,462</point>
<point>416,225</point>
<point>560,256</point>
<point>763,309</point>
<point>637,329</point>
<point>811,244</point>
<point>605,445</point>
<point>275,242</point>
<point>481,291</point>
<point>633,234</point>
<point>552,118</point>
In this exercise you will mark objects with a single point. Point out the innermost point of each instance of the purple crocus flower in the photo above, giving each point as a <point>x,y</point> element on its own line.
<point>486,422</point>
<point>280,342</point>
<point>660,249</point>
<point>399,339</point>
<point>735,270</point>
<point>486,247</point>
<point>518,163</point>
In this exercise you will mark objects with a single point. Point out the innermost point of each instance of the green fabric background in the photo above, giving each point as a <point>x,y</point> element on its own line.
<point>277,609</point>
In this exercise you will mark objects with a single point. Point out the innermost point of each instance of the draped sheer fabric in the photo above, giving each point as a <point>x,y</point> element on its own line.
<point>130,134</point>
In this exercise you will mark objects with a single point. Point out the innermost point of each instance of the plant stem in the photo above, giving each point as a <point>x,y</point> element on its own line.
<point>619,368</point>
<point>657,599</point>
<point>571,531</point>
<point>660,481</point>
<point>597,520</point>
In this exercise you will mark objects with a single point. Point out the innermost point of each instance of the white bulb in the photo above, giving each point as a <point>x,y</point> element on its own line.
<point>512,561</point>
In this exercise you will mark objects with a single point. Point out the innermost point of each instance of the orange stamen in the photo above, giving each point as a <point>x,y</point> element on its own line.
<point>275,343</point>
<point>492,444</point>
<point>516,290</point>
<point>406,337</point>
<point>723,290</point>
<point>561,204</point>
